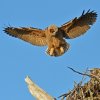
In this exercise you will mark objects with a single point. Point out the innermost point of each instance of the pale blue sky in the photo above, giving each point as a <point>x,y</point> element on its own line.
<point>19,59</point>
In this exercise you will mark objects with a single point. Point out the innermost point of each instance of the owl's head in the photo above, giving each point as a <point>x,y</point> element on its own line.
<point>53,29</point>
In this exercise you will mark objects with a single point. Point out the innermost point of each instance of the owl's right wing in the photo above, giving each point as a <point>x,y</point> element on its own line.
<point>32,35</point>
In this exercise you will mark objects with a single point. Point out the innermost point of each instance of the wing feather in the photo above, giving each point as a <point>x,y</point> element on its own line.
<point>32,35</point>
<point>78,26</point>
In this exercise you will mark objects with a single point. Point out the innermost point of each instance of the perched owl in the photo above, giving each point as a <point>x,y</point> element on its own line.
<point>53,36</point>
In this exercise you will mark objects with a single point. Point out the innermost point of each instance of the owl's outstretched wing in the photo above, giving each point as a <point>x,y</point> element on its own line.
<point>32,35</point>
<point>78,26</point>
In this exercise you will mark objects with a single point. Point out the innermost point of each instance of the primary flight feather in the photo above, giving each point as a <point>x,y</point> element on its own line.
<point>53,36</point>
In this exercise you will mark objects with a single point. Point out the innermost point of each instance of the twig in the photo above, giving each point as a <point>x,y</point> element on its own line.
<point>79,72</point>
<point>85,74</point>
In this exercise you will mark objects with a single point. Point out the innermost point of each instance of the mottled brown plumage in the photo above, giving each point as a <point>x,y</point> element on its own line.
<point>53,36</point>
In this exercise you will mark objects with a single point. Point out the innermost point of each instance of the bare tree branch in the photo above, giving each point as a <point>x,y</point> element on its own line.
<point>36,91</point>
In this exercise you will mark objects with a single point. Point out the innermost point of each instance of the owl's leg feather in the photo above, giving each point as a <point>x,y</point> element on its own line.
<point>50,51</point>
<point>62,50</point>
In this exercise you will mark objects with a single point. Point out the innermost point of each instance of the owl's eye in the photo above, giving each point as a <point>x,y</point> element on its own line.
<point>52,31</point>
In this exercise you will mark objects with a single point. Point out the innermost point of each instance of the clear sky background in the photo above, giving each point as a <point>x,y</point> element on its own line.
<point>19,59</point>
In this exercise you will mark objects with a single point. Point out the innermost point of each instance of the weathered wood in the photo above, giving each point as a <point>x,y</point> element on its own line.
<point>36,91</point>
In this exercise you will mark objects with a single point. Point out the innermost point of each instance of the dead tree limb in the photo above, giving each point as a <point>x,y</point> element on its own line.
<point>36,91</point>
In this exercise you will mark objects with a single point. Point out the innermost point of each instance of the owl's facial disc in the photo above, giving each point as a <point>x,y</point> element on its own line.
<point>53,29</point>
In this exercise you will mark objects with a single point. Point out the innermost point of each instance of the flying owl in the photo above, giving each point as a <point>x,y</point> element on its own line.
<point>54,36</point>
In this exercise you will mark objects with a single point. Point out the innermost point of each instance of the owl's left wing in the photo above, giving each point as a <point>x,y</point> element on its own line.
<point>78,26</point>
<point>32,35</point>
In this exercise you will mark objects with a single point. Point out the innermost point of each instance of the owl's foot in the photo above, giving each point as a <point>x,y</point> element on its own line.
<point>56,51</point>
